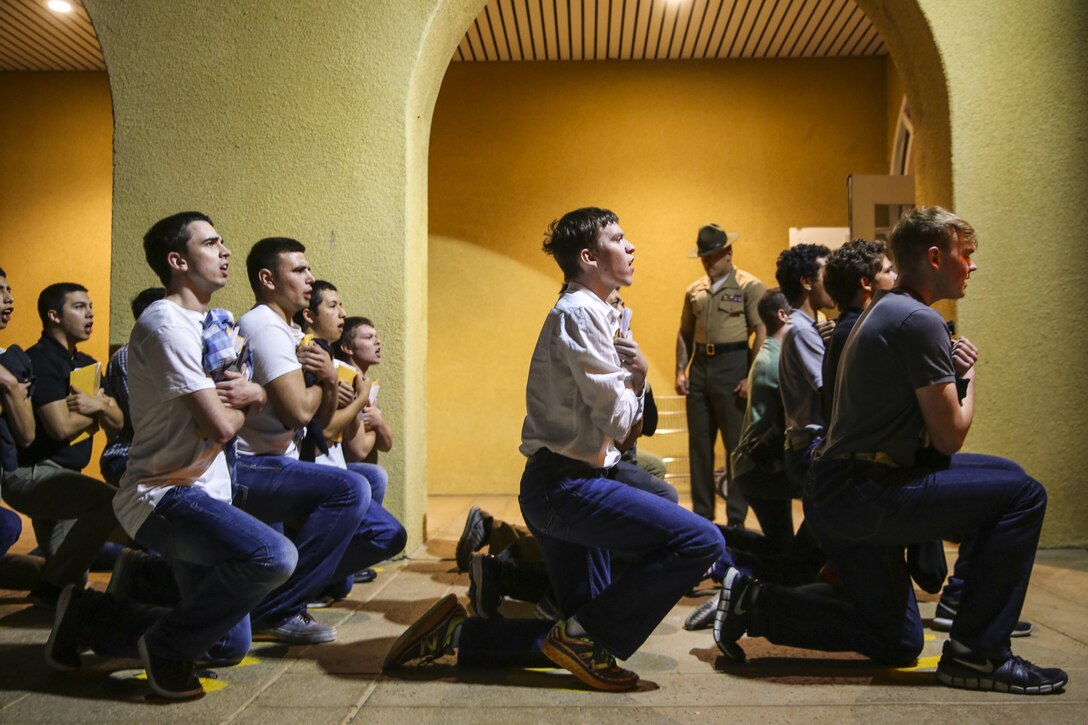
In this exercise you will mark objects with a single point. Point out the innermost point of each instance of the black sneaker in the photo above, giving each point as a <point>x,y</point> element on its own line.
<point>364,576</point>
<point>587,660</point>
<point>945,614</point>
<point>172,679</point>
<point>1015,675</point>
<point>124,570</point>
<point>473,537</point>
<point>44,595</point>
<point>430,637</point>
<point>703,615</point>
<point>483,586</point>
<point>63,647</point>
<point>739,593</point>
<point>299,629</point>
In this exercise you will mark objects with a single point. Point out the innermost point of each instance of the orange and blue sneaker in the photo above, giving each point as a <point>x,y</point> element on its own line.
<point>430,637</point>
<point>588,661</point>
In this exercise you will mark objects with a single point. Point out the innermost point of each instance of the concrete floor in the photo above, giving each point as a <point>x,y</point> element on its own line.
<point>684,680</point>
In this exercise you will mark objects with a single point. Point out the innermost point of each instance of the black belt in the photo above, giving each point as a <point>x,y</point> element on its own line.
<point>717,348</point>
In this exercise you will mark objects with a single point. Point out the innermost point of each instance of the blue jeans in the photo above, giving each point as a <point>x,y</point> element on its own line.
<point>953,590</point>
<point>224,561</point>
<point>324,505</point>
<point>579,516</point>
<point>376,475</point>
<point>11,527</point>
<point>379,537</point>
<point>864,515</point>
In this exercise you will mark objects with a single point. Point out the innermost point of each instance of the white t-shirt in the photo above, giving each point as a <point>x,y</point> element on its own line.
<point>273,343</point>
<point>164,365</point>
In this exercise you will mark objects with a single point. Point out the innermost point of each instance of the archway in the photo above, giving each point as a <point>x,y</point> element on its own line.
<point>519,128</point>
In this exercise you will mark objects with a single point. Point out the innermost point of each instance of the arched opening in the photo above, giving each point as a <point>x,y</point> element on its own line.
<point>56,149</point>
<point>758,145</point>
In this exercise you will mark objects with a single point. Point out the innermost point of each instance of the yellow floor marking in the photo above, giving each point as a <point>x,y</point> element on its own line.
<point>210,684</point>
<point>924,663</point>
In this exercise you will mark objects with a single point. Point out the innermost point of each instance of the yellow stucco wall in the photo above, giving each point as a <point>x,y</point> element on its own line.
<point>286,118</point>
<point>1019,142</point>
<point>757,146</point>
<point>55,141</point>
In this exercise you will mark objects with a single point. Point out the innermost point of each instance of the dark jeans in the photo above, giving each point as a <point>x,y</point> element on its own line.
<point>11,527</point>
<point>953,590</point>
<point>864,515</point>
<point>225,562</point>
<point>503,643</point>
<point>578,516</point>
<point>325,506</point>
<point>712,406</point>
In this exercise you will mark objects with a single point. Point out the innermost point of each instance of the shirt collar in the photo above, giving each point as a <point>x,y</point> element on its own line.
<point>49,340</point>
<point>593,300</point>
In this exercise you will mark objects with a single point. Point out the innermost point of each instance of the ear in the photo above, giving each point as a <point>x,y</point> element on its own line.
<point>53,316</point>
<point>933,257</point>
<point>783,315</point>
<point>267,279</point>
<point>588,257</point>
<point>867,284</point>
<point>308,317</point>
<point>346,349</point>
<point>176,261</point>
<point>806,284</point>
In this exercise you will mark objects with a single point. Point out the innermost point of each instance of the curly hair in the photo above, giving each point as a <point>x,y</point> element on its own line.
<point>797,263</point>
<point>848,265</point>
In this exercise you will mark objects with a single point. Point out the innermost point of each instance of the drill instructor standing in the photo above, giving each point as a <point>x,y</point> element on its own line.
<point>720,312</point>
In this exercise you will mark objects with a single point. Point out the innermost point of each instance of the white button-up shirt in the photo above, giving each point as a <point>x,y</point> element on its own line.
<point>579,400</point>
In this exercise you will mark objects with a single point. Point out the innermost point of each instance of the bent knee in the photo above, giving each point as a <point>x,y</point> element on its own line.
<point>901,654</point>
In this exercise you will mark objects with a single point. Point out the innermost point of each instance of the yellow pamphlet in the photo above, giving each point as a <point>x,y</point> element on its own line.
<point>87,379</point>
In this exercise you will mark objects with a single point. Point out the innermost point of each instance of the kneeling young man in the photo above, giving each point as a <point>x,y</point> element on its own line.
<point>175,495</point>
<point>584,401</point>
<point>890,475</point>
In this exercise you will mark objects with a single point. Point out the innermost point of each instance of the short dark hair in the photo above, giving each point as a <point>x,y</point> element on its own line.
<point>316,289</point>
<point>351,324</point>
<point>796,263</point>
<point>53,298</point>
<point>925,227</point>
<point>769,304</point>
<point>576,230</point>
<point>3,273</point>
<point>848,265</point>
<point>169,235</point>
<point>265,255</point>
<point>144,299</point>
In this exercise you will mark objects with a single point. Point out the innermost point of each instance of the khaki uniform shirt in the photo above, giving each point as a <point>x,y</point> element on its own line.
<point>723,316</point>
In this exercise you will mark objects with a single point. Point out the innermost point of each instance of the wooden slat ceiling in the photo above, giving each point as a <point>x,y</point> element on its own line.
<point>32,37</point>
<point>668,30</point>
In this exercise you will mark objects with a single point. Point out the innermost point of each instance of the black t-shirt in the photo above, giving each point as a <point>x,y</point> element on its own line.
<point>835,346</point>
<point>52,366</point>
<point>898,346</point>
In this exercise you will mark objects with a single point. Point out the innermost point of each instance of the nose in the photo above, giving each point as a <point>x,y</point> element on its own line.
<point>224,252</point>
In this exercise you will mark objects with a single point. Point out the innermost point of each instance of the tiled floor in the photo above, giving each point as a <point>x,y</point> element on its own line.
<point>684,681</point>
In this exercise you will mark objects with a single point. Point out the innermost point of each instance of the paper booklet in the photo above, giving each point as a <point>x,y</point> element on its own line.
<point>87,379</point>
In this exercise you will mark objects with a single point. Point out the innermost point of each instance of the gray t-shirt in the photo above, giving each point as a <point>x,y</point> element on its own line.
<point>800,377</point>
<point>898,346</point>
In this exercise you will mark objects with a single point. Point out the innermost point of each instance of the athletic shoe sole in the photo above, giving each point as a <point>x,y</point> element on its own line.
<point>571,663</point>
<point>974,682</point>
